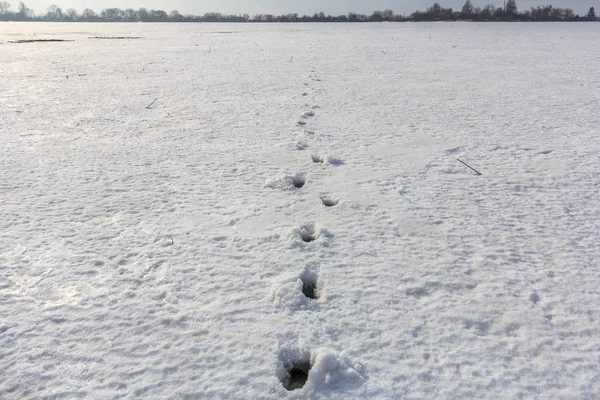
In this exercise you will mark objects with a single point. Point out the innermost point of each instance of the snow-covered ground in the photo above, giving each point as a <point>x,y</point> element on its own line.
<point>159,251</point>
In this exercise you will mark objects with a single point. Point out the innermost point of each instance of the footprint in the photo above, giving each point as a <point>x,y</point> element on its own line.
<point>329,159</point>
<point>308,233</point>
<point>309,284</point>
<point>301,123</point>
<point>297,375</point>
<point>546,152</point>
<point>294,368</point>
<point>286,181</point>
<point>304,94</point>
<point>329,201</point>
<point>298,181</point>
<point>309,132</point>
<point>299,290</point>
<point>308,114</point>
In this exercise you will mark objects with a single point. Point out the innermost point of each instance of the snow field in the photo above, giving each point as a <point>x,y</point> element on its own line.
<point>172,251</point>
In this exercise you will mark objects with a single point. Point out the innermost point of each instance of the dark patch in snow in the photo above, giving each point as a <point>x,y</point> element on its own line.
<point>309,288</point>
<point>317,159</point>
<point>307,233</point>
<point>453,150</point>
<point>299,181</point>
<point>546,152</point>
<point>39,40</point>
<point>534,298</point>
<point>297,375</point>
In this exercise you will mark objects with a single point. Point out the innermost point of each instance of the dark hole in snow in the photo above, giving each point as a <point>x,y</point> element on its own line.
<point>316,159</point>
<point>298,181</point>
<point>297,376</point>
<point>308,236</point>
<point>328,202</point>
<point>309,289</point>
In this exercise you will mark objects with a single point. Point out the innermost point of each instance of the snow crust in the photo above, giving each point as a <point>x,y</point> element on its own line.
<point>161,251</point>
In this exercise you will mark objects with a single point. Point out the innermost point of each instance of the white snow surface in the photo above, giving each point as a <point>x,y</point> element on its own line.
<point>159,252</point>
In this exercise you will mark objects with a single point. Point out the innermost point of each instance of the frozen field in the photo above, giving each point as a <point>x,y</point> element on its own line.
<point>158,251</point>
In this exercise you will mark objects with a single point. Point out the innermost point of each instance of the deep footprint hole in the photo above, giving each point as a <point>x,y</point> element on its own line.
<point>309,289</point>
<point>307,234</point>
<point>297,375</point>
<point>298,181</point>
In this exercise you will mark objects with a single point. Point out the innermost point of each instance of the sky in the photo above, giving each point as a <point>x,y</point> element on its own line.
<point>334,7</point>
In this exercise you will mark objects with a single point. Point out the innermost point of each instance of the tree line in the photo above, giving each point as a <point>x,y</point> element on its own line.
<point>469,12</point>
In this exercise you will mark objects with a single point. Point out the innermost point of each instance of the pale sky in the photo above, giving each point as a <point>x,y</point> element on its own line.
<point>334,7</point>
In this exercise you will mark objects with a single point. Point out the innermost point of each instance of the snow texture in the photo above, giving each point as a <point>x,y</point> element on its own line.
<point>156,240</point>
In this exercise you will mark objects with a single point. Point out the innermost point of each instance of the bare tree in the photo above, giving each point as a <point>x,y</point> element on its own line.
<point>467,10</point>
<point>376,16</point>
<point>487,12</point>
<point>175,16</point>
<point>71,14</point>
<point>568,14</point>
<point>112,14</point>
<point>54,13</point>
<point>511,7</point>
<point>24,12</point>
<point>130,15</point>
<point>89,15</point>
<point>4,8</point>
